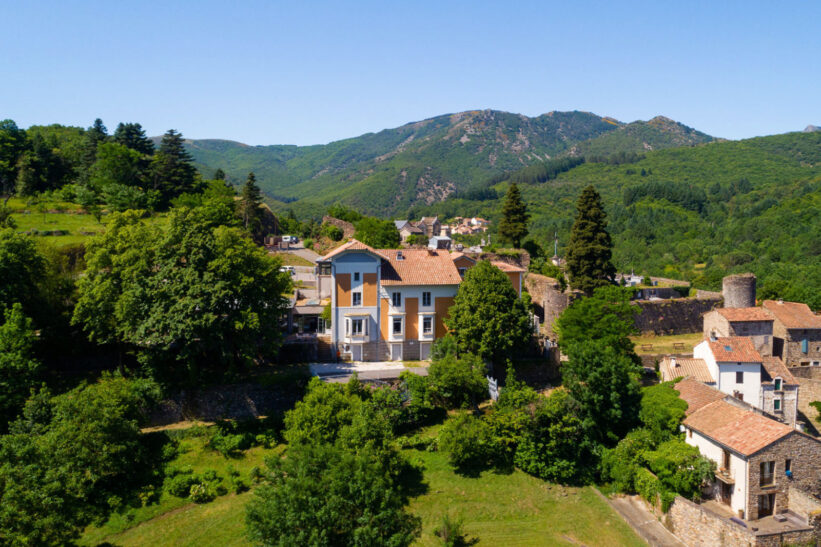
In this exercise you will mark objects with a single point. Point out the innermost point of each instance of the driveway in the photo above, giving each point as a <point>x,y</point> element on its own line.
<point>307,254</point>
<point>633,510</point>
<point>378,370</point>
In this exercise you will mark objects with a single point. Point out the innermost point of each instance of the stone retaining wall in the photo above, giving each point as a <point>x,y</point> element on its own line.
<point>809,390</point>
<point>803,504</point>
<point>675,316</point>
<point>346,227</point>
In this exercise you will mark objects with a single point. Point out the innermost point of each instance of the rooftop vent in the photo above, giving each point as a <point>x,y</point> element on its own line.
<point>399,255</point>
<point>673,362</point>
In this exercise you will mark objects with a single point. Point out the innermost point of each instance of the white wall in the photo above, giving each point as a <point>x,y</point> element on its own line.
<point>738,466</point>
<point>350,263</point>
<point>702,351</point>
<point>750,389</point>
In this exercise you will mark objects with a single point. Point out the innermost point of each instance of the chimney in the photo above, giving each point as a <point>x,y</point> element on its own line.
<point>399,255</point>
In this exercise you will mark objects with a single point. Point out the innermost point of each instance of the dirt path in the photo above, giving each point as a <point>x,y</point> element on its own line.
<point>642,521</point>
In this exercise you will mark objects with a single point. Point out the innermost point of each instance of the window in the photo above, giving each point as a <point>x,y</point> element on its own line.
<point>356,276</point>
<point>788,466</point>
<point>690,433</point>
<point>777,405</point>
<point>462,272</point>
<point>397,325</point>
<point>725,461</point>
<point>427,325</point>
<point>777,384</point>
<point>358,327</point>
<point>396,299</point>
<point>426,299</point>
<point>766,504</point>
<point>739,377</point>
<point>767,476</point>
<point>356,299</point>
<point>325,269</point>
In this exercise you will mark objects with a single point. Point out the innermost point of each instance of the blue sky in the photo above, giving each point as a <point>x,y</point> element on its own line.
<point>314,72</point>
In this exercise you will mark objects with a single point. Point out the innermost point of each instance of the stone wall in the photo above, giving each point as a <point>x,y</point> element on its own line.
<point>677,316</point>
<point>803,504</point>
<point>697,526</point>
<point>809,390</point>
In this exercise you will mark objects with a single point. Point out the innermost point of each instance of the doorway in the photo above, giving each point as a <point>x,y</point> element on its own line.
<point>396,352</point>
<point>766,505</point>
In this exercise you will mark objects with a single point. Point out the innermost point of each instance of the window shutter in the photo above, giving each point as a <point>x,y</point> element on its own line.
<point>805,345</point>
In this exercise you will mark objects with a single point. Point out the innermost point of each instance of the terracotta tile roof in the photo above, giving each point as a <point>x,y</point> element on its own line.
<point>793,315</point>
<point>352,245</point>
<point>775,368</point>
<point>745,314</point>
<point>418,267</point>
<point>459,254</point>
<point>429,220</point>
<point>687,368</point>
<point>697,395</point>
<point>505,267</point>
<point>734,348</point>
<point>740,430</point>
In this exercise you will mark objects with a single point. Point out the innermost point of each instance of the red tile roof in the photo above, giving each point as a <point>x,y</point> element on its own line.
<point>686,367</point>
<point>745,314</point>
<point>741,430</point>
<point>697,395</point>
<point>775,368</point>
<point>734,348</point>
<point>352,245</point>
<point>505,267</point>
<point>418,267</point>
<point>793,315</point>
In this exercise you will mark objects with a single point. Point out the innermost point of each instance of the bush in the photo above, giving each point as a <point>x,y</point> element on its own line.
<point>417,239</point>
<point>468,442</point>
<point>647,485</point>
<point>180,485</point>
<point>451,533</point>
<point>457,383</point>
<point>620,464</point>
<point>332,232</point>
<point>308,243</point>
<point>201,493</point>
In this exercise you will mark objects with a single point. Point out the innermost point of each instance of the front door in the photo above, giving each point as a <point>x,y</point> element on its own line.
<point>356,352</point>
<point>766,504</point>
<point>726,493</point>
<point>396,352</point>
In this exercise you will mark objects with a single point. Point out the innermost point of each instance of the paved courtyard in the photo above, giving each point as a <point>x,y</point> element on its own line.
<point>372,370</point>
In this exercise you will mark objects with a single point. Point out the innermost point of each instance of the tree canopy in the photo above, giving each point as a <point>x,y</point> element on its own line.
<point>589,254</point>
<point>487,317</point>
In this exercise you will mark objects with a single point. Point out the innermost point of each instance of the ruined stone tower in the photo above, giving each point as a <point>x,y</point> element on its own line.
<point>739,291</point>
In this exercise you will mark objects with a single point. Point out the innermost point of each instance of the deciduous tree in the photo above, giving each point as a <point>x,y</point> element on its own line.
<point>18,367</point>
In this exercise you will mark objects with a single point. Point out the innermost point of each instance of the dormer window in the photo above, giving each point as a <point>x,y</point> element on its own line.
<point>777,383</point>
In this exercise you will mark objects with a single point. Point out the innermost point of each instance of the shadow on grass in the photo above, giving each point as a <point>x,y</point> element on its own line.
<point>411,481</point>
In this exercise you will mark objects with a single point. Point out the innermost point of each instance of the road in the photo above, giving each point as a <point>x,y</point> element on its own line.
<point>642,521</point>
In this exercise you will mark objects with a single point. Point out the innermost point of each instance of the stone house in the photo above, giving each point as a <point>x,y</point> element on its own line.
<point>754,323</point>
<point>758,460</point>
<point>732,366</point>
<point>513,272</point>
<point>407,229</point>
<point>796,333</point>
<point>430,226</point>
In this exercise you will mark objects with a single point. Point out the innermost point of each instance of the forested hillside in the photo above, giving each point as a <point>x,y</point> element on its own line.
<point>694,212</point>
<point>424,162</point>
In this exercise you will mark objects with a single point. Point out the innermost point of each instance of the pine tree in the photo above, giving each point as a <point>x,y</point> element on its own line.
<point>513,226</point>
<point>133,136</point>
<point>589,254</point>
<point>95,134</point>
<point>173,173</point>
<point>219,174</point>
<point>249,205</point>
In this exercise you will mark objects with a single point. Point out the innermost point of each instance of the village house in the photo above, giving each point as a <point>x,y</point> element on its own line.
<point>430,226</point>
<point>796,333</point>
<point>754,323</point>
<point>407,228</point>
<point>390,304</point>
<point>732,366</point>
<point>763,467</point>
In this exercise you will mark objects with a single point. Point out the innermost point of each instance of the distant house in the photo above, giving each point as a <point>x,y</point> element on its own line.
<point>762,465</point>
<point>796,333</point>
<point>440,242</point>
<point>734,367</point>
<point>407,229</point>
<point>755,323</point>
<point>515,273</point>
<point>430,226</point>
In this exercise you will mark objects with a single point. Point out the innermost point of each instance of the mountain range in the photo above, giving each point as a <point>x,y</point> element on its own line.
<point>424,162</point>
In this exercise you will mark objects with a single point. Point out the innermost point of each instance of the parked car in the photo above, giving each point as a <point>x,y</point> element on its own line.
<point>290,239</point>
<point>290,269</point>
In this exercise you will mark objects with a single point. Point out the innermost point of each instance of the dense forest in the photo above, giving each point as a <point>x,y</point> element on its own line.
<point>694,213</point>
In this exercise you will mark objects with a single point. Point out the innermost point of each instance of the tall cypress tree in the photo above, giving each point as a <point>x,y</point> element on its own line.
<point>590,249</point>
<point>95,134</point>
<point>249,205</point>
<point>513,226</point>
<point>172,171</point>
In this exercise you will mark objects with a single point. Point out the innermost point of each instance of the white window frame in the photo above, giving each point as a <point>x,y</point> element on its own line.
<point>353,299</point>
<point>394,319</point>
<point>429,299</point>
<point>362,327</point>
<point>396,299</point>
<point>425,330</point>
<point>778,384</point>
<point>777,406</point>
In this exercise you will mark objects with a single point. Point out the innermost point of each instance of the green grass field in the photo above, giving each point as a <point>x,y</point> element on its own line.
<point>665,344</point>
<point>291,259</point>
<point>497,509</point>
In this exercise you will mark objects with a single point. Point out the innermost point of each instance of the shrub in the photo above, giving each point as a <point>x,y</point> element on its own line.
<point>201,493</point>
<point>620,464</point>
<point>332,232</point>
<point>468,442</point>
<point>681,468</point>
<point>180,485</point>
<point>457,383</point>
<point>451,533</point>
<point>647,485</point>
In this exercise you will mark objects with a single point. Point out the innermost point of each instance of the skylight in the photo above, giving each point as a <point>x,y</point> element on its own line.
<point>728,348</point>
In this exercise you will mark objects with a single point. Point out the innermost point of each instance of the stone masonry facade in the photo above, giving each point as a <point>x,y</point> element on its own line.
<point>804,454</point>
<point>790,342</point>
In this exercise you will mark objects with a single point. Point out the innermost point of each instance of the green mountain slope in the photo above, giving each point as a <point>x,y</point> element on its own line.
<point>656,134</point>
<point>424,162</point>
<point>696,212</point>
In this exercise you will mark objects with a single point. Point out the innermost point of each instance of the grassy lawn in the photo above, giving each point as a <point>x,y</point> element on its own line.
<point>497,509</point>
<point>664,344</point>
<point>514,509</point>
<point>178,521</point>
<point>291,259</point>
<point>80,226</point>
